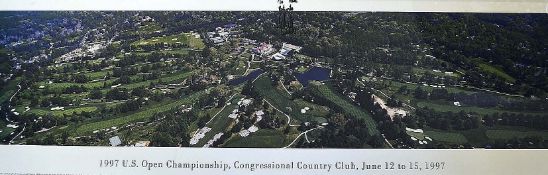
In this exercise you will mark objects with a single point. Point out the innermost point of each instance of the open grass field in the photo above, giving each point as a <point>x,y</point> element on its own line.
<point>456,109</point>
<point>496,71</point>
<point>176,51</point>
<point>196,43</point>
<point>221,122</point>
<point>282,101</point>
<point>143,114</point>
<point>264,138</point>
<point>448,137</point>
<point>394,86</point>
<point>177,77</point>
<point>59,113</point>
<point>91,75</point>
<point>417,70</point>
<point>324,91</point>
<point>509,134</point>
<point>98,74</point>
<point>419,136</point>
<point>61,86</point>
<point>171,39</point>
<point>183,38</point>
<point>149,27</point>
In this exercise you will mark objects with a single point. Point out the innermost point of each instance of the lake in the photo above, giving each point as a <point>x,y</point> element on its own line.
<point>249,76</point>
<point>315,73</point>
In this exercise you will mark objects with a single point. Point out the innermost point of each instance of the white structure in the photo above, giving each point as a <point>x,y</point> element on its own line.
<point>57,108</point>
<point>199,135</point>
<point>215,138</point>
<point>115,141</point>
<point>414,130</point>
<point>291,47</point>
<point>244,102</point>
<point>233,116</point>
<point>253,129</point>
<point>278,56</point>
<point>244,133</point>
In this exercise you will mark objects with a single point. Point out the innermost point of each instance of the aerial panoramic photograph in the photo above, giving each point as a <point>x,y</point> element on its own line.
<point>274,79</point>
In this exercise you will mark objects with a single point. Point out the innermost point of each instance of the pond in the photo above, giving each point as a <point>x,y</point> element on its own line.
<point>315,73</point>
<point>249,76</point>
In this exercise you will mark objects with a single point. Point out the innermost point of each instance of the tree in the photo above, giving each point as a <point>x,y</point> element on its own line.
<point>203,120</point>
<point>377,141</point>
<point>96,94</point>
<point>420,93</point>
<point>248,88</point>
<point>162,140</point>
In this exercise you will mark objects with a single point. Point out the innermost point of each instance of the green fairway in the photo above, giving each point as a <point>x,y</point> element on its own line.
<point>456,109</point>
<point>143,114</point>
<point>510,134</point>
<point>61,113</point>
<point>324,91</point>
<point>89,85</point>
<point>169,78</point>
<point>183,38</point>
<point>171,39</point>
<point>282,101</point>
<point>496,71</point>
<point>221,122</point>
<point>98,74</point>
<point>448,137</point>
<point>394,86</point>
<point>420,71</point>
<point>148,28</point>
<point>177,51</point>
<point>196,43</point>
<point>264,138</point>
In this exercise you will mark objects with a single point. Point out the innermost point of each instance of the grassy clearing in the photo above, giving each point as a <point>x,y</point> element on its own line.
<point>264,138</point>
<point>419,136</point>
<point>509,134</point>
<point>178,51</point>
<point>146,113</point>
<point>420,71</point>
<point>62,86</point>
<point>239,69</point>
<point>69,111</point>
<point>196,43</point>
<point>171,39</point>
<point>149,28</point>
<point>183,38</point>
<point>98,75</point>
<point>324,91</point>
<point>221,122</point>
<point>167,78</point>
<point>282,101</point>
<point>394,86</point>
<point>456,109</point>
<point>448,137</point>
<point>496,71</point>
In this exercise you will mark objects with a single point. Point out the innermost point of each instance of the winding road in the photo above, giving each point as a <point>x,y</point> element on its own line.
<point>9,103</point>
<point>302,133</point>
